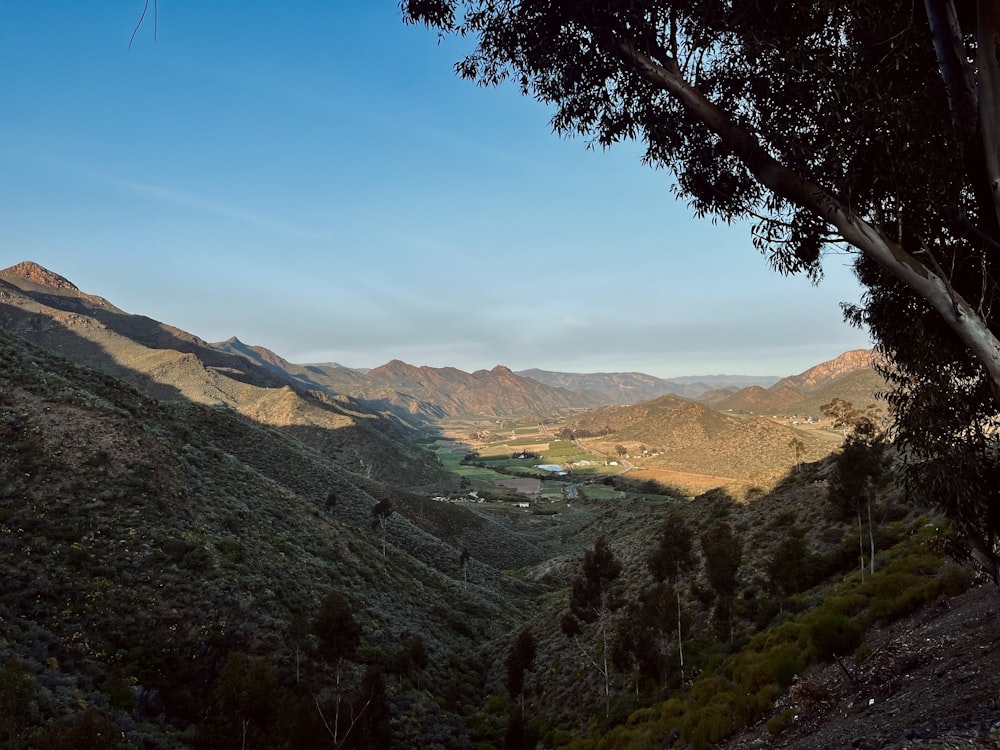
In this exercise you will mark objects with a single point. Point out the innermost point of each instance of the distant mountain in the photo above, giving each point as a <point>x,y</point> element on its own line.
<point>170,364</point>
<point>633,387</point>
<point>691,437</point>
<point>850,376</point>
<point>430,393</point>
<point>826,372</point>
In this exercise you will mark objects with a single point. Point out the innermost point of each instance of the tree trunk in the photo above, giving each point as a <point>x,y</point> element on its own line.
<point>680,638</point>
<point>861,546</point>
<point>871,538</point>
<point>604,659</point>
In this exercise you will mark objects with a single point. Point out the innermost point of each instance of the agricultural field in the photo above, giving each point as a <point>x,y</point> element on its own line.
<point>507,458</point>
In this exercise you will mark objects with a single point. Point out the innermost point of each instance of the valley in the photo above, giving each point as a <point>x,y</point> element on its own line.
<point>204,545</point>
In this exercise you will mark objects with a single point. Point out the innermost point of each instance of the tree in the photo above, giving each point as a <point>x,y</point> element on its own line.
<point>412,659</point>
<point>520,659</point>
<point>244,694</point>
<point>637,643</point>
<point>846,418</point>
<point>861,125</point>
<point>861,471</point>
<point>380,517</point>
<point>670,560</point>
<point>297,630</point>
<point>722,552</point>
<point>799,448</point>
<point>372,731</point>
<point>791,567</point>
<point>591,602</point>
<point>339,637</point>
<point>463,562</point>
<point>17,692</point>
<point>338,632</point>
<point>89,729</point>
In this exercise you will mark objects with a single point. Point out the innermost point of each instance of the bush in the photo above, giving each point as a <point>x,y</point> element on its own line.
<point>956,580</point>
<point>833,635</point>
<point>778,724</point>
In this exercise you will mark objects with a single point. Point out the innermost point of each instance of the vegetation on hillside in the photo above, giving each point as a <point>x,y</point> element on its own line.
<point>143,554</point>
<point>803,121</point>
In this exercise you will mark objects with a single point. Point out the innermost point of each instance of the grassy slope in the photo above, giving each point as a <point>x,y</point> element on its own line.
<point>143,542</point>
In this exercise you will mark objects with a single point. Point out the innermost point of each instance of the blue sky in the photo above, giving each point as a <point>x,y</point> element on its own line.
<point>314,178</point>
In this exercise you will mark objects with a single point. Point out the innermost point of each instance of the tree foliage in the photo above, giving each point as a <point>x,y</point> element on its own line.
<point>338,632</point>
<point>722,551</point>
<point>589,593</point>
<point>861,125</point>
<point>674,553</point>
<point>520,659</point>
<point>591,602</point>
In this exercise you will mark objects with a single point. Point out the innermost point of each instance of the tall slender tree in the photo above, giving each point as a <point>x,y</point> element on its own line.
<point>671,560</point>
<point>722,552</point>
<point>339,636</point>
<point>381,512</point>
<point>591,602</point>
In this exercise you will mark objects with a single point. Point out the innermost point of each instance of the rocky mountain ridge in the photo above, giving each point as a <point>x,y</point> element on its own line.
<point>170,364</point>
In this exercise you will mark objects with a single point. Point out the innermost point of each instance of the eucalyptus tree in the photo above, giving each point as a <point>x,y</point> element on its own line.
<point>592,602</point>
<point>380,519</point>
<point>866,126</point>
<point>671,560</point>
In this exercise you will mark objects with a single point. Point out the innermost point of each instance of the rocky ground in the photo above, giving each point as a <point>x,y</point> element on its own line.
<point>932,681</point>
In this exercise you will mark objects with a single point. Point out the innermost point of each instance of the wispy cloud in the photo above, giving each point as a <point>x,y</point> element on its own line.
<point>171,195</point>
<point>211,206</point>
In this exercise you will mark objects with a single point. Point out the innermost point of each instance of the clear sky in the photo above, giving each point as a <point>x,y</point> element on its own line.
<point>314,178</point>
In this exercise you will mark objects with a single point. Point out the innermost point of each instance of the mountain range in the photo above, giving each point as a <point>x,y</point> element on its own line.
<point>46,306</point>
<point>722,427</point>
<point>178,517</point>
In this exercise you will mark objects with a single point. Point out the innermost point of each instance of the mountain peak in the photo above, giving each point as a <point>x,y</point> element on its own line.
<point>36,274</point>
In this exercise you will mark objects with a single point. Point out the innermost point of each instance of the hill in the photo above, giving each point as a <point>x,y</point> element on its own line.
<point>668,438</point>
<point>851,376</point>
<point>426,394</point>
<point>169,364</point>
<point>631,387</point>
<point>142,543</point>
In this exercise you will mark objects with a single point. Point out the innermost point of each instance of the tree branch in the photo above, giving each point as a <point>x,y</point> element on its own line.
<point>957,313</point>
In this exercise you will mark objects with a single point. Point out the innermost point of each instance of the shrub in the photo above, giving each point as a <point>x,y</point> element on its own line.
<point>833,635</point>
<point>956,580</point>
<point>778,724</point>
<point>706,726</point>
<point>785,663</point>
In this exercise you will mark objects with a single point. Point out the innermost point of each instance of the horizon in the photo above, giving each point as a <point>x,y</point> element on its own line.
<point>237,339</point>
<point>254,179</point>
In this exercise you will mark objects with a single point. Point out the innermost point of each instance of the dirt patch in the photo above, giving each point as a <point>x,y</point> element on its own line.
<point>932,681</point>
<point>523,486</point>
<point>690,482</point>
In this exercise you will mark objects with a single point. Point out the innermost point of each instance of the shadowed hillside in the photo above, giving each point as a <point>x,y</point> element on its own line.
<point>168,364</point>
<point>143,543</point>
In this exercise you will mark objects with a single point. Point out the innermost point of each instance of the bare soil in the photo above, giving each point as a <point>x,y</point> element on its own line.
<point>522,485</point>
<point>932,681</point>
